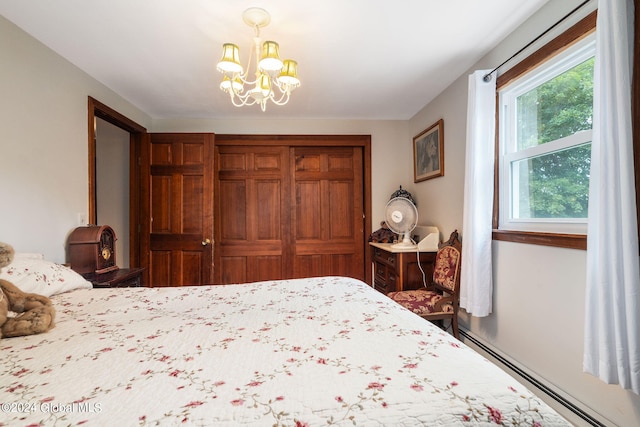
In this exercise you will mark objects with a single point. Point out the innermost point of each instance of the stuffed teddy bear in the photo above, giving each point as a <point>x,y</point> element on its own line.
<point>383,234</point>
<point>35,314</point>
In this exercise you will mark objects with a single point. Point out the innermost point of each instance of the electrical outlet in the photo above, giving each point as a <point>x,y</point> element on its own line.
<point>82,218</point>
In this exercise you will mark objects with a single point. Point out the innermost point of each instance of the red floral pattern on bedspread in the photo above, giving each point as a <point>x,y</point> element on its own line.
<point>324,351</point>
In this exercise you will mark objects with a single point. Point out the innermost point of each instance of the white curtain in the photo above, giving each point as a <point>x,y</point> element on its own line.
<point>612,318</point>
<point>476,279</point>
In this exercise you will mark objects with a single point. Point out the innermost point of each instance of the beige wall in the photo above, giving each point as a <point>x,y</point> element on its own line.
<point>112,184</point>
<point>539,292</point>
<point>43,142</point>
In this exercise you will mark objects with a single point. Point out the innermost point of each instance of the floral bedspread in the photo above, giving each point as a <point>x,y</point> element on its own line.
<point>312,352</point>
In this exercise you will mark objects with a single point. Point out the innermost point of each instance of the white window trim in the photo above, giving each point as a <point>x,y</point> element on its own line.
<point>578,53</point>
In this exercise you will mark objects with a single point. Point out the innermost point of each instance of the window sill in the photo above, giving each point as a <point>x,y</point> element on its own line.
<point>570,241</point>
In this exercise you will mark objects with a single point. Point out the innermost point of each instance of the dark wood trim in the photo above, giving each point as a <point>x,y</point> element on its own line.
<point>578,31</point>
<point>112,116</point>
<point>366,182</point>
<point>496,168</point>
<point>91,161</point>
<point>321,140</point>
<point>144,208</point>
<point>581,29</point>
<point>300,140</point>
<point>137,132</point>
<point>571,241</point>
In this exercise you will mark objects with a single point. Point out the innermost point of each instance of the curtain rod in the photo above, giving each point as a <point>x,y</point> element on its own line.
<point>487,77</point>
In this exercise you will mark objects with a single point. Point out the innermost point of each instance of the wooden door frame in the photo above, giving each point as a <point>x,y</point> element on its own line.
<point>363,141</point>
<point>136,134</point>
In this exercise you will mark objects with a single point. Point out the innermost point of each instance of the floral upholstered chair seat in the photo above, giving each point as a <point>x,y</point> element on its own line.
<point>422,301</point>
<point>439,300</point>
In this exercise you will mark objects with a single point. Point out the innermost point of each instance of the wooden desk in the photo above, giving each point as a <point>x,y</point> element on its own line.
<point>397,269</point>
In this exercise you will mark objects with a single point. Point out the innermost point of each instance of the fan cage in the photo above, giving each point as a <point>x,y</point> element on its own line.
<point>401,210</point>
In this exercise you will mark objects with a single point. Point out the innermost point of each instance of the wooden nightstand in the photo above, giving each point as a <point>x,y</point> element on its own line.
<point>121,278</point>
<point>397,270</point>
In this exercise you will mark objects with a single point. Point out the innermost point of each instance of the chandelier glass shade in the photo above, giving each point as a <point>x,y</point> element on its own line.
<point>273,79</point>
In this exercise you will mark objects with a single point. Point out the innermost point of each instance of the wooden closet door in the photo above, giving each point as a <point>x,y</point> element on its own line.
<point>328,215</point>
<point>179,209</point>
<point>251,214</point>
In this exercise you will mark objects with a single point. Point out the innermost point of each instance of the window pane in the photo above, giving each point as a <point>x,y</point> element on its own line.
<point>557,108</point>
<point>554,185</point>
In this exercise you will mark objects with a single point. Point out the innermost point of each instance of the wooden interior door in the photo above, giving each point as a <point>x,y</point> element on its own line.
<point>328,211</point>
<point>252,218</point>
<point>178,209</point>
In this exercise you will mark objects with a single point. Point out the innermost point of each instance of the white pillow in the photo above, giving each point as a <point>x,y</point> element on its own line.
<point>31,273</point>
<point>26,255</point>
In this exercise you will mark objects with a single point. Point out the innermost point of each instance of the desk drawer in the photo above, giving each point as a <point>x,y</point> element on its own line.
<point>380,271</point>
<point>385,278</point>
<point>384,257</point>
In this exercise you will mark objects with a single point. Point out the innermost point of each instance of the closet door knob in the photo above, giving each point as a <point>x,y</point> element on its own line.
<point>206,242</point>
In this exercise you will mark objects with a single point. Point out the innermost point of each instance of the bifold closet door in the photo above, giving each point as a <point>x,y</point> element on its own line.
<point>327,215</point>
<point>288,212</point>
<point>252,219</point>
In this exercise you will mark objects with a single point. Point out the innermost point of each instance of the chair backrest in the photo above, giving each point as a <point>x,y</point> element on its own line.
<point>446,270</point>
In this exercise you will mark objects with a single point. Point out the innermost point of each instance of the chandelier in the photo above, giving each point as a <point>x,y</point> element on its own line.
<point>274,79</point>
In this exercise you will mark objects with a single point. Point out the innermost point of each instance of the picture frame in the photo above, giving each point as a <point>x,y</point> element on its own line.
<point>428,152</point>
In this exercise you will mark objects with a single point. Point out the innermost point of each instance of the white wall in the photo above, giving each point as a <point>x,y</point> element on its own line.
<point>539,291</point>
<point>112,184</point>
<point>43,142</point>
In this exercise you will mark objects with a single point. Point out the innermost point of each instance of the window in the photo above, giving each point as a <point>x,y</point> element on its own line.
<point>543,153</point>
<point>545,144</point>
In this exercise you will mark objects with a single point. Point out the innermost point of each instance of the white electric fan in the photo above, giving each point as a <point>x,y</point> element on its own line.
<point>401,216</point>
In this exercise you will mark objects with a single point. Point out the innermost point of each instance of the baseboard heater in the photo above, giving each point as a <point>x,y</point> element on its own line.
<point>528,377</point>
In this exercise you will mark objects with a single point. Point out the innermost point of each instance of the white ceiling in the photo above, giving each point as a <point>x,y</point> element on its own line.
<point>358,59</point>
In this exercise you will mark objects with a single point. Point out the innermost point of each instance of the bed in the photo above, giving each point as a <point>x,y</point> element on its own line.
<point>305,352</point>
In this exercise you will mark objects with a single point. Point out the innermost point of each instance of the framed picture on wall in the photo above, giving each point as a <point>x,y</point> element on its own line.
<point>428,152</point>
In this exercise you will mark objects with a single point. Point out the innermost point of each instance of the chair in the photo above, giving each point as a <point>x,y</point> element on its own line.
<point>440,299</point>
